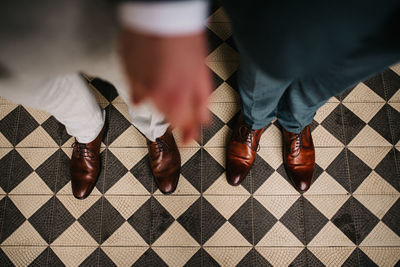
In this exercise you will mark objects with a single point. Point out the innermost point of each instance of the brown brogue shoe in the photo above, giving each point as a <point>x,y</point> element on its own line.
<point>299,158</point>
<point>165,162</point>
<point>85,166</point>
<point>241,152</point>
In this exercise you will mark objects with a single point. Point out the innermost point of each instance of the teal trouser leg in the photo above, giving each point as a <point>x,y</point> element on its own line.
<point>295,102</point>
<point>260,94</point>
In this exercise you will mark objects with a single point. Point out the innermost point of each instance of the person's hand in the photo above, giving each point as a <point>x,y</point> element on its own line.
<point>171,71</point>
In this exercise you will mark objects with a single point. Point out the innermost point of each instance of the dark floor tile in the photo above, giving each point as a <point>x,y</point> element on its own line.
<point>149,258</point>
<point>111,218</point>
<point>13,219</point>
<point>253,258</point>
<point>358,171</point>
<point>26,124</point>
<point>8,126</point>
<point>92,218</point>
<point>263,221</point>
<point>47,258</point>
<point>211,221</point>
<point>141,219</point>
<point>352,124</point>
<point>242,220</point>
<point>161,219</point>
<point>388,168</point>
<point>143,173</point>
<point>191,220</point>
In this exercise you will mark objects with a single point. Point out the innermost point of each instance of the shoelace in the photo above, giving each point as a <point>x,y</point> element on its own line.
<point>159,145</point>
<point>297,138</point>
<point>248,137</point>
<point>83,150</point>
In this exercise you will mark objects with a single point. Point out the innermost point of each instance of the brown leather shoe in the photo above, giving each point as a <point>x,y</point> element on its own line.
<point>299,158</point>
<point>241,151</point>
<point>85,166</point>
<point>165,162</point>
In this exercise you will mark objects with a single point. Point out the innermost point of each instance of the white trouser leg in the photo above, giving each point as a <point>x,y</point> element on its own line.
<point>69,99</point>
<point>145,117</point>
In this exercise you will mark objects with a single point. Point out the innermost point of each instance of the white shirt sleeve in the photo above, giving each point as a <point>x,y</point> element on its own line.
<point>164,18</point>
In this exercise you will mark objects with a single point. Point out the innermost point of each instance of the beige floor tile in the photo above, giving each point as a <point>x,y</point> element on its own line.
<point>73,256</point>
<point>324,111</point>
<point>329,236</point>
<point>365,111</point>
<point>38,138</point>
<point>129,157</point>
<point>75,235</point>
<point>375,184</point>
<point>218,16</point>
<point>39,115</point>
<point>124,256</point>
<point>127,185</point>
<point>279,236</point>
<point>4,141</point>
<point>21,255</point>
<point>227,235</point>
<point>77,207</point>
<point>223,69</point>
<point>395,98</point>
<point>221,138</point>
<point>67,190</point>
<point>176,235</point>
<point>328,205</point>
<point>127,205</point>
<point>226,205</point>
<point>324,156</point>
<point>368,136</point>
<point>175,256</point>
<point>176,205</point>
<point>277,205</point>
<point>25,235</point>
<point>272,155</point>
<point>272,137</point>
<point>222,29</point>
<point>225,94</point>
<point>228,256</point>
<point>276,185</point>
<point>32,185</point>
<point>29,204</point>
<point>279,256</point>
<point>130,138</point>
<point>218,153</point>
<point>334,256</point>
<point>377,204</point>
<point>381,236</point>
<point>383,256</point>
<point>363,94</point>
<point>322,138</point>
<point>36,156</point>
<point>325,185</point>
<point>371,156</point>
<point>6,108</point>
<point>125,236</point>
<point>223,53</point>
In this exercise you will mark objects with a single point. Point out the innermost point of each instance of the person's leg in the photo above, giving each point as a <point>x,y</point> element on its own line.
<point>66,97</point>
<point>305,96</point>
<point>165,160</point>
<point>69,99</point>
<point>260,94</point>
<point>145,117</point>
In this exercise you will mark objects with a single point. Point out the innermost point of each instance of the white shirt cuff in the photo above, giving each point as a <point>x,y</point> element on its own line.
<point>164,18</point>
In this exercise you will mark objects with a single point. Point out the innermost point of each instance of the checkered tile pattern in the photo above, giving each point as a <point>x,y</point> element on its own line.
<point>350,215</point>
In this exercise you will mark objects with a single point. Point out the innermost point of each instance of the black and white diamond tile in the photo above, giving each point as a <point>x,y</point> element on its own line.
<point>349,216</point>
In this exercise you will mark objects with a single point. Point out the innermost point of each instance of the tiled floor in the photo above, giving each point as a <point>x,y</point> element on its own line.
<point>350,216</point>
